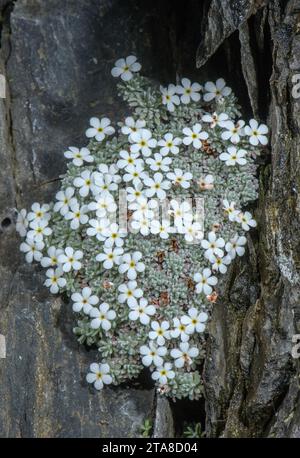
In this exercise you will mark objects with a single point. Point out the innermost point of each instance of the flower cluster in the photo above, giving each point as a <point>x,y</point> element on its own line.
<point>124,240</point>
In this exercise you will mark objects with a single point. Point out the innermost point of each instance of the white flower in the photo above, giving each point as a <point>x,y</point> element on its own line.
<point>181,212</point>
<point>78,156</point>
<point>233,132</point>
<point>110,257</point>
<point>205,281</point>
<point>135,173</point>
<point>180,329</point>
<point>129,293</point>
<point>159,332</point>
<point>256,133</point>
<point>152,354</point>
<point>141,311</point>
<point>114,235</point>
<point>213,245</point>
<point>22,222</point>
<point>156,186</point>
<point>235,246</point>
<point>184,354</point>
<point>39,212</point>
<point>169,97</point>
<point>102,317</point>
<point>70,259</point>
<point>65,199</point>
<point>39,228</point>
<point>163,373</point>
<point>189,91</point>
<point>103,183</point>
<point>220,263</point>
<point>99,129</point>
<point>77,215</point>
<point>134,194</point>
<point>234,156</point>
<point>141,225</point>
<point>246,220</point>
<point>216,90</point>
<point>230,210</point>
<point>163,228</point>
<point>143,208</point>
<point>192,231</point>
<point>128,159</point>
<point>131,265</point>
<point>194,135</point>
<point>111,170</point>
<point>55,280</point>
<point>84,300</point>
<point>83,182</point>
<point>206,183</point>
<point>159,163</point>
<point>97,227</point>
<point>103,204</point>
<point>125,68</point>
<point>194,321</point>
<point>99,375</point>
<point>142,141</point>
<point>32,248</point>
<point>52,258</point>
<point>169,144</point>
<point>178,177</point>
<point>132,126</point>
<point>216,119</point>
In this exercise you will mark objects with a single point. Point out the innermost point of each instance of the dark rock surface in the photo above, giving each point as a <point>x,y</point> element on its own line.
<point>57,58</point>
<point>252,381</point>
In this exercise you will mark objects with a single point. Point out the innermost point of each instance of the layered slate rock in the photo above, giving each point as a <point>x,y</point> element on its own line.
<point>250,375</point>
<point>57,58</point>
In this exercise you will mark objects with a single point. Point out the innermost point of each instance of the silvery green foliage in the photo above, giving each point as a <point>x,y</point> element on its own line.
<point>143,297</point>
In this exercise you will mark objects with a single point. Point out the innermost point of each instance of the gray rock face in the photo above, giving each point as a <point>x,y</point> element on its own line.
<point>251,378</point>
<point>56,57</point>
<point>163,421</point>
